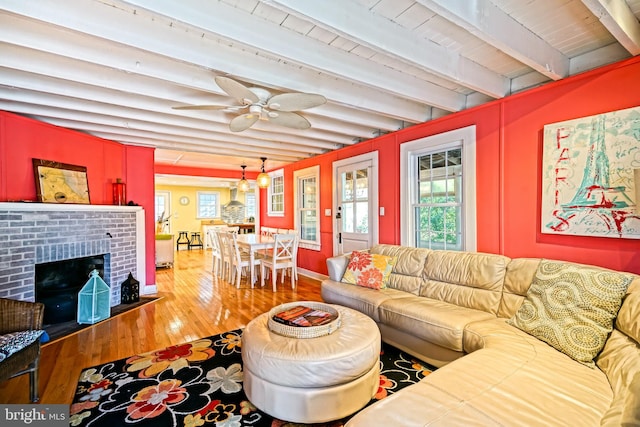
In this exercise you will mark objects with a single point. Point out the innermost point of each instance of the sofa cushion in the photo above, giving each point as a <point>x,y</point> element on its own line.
<point>472,280</point>
<point>531,385</point>
<point>628,320</point>
<point>572,307</point>
<point>365,300</point>
<point>15,341</point>
<point>436,321</point>
<point>369,270</point>
<point>620,361</point>
<point>518,278</point>
<point>407,274</point>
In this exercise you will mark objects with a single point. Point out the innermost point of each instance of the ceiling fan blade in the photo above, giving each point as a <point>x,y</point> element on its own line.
<point>295,101</point>
<point>290,120</point>
<point>237,90</point>
<point>242,122</point>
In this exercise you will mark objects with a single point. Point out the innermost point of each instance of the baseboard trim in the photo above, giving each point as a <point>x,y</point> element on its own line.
<point>149,290</point>
<point>312,274</point>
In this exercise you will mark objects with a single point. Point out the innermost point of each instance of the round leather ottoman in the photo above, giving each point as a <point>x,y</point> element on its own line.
<point>312,380</point>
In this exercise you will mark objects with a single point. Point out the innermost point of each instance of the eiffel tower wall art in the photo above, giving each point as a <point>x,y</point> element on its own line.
<point>591,176</point>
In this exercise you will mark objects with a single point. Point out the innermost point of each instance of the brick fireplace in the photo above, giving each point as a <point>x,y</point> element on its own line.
<point>38,233</point>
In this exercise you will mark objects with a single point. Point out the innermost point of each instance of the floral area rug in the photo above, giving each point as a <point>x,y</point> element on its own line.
<point>197,384</point>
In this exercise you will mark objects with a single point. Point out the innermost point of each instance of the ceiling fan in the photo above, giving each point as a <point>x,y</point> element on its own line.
<point>279,109</point>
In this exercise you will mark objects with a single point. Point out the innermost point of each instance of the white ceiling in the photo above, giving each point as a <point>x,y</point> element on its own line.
<point>115,68</point>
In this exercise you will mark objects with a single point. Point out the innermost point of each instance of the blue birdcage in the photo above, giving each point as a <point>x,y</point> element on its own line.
<point>94,300</point>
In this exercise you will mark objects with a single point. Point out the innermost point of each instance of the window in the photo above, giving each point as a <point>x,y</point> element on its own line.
<point>162,212</point>
<point>275,194</point>
<point>438,203</point>
<point>438,197</point>
<point>250,204</point>
<point>208,204</point>
<point>307,220</point>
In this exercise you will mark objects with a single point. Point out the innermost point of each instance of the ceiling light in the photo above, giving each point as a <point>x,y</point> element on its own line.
<point>243,184</point>
<point>264,180</point>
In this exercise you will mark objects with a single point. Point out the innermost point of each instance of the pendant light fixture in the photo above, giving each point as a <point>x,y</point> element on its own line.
<point>263,180</point>
<point>243,184</point>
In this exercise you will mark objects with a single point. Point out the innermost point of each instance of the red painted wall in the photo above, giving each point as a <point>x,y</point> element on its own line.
<point>509,160</point>
<point>509,153</point>
<point>22,139</point>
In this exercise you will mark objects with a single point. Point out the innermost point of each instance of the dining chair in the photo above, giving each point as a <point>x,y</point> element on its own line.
<point>20,330</point>
<point>241,261</point>
<point>267,231</point>
<point>214,243</point>
<point>226,255</point>
<point>282,258</point>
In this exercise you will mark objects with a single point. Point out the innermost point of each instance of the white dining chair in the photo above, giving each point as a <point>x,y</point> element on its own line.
<point>282,258</point>
<point>267,231</point>
<point>226,251</point>
<point>241,261</point>
<point>214,243</point>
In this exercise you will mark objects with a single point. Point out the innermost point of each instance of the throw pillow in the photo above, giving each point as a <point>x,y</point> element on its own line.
<point>369,270</point>
<point>572,308</point>
<point>16,341</point>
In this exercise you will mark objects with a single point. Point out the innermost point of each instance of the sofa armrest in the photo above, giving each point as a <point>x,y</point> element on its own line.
<point>337,265</point>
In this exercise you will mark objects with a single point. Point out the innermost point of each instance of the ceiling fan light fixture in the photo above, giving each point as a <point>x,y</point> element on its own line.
<point>243,184</point>
<point>263,179</point>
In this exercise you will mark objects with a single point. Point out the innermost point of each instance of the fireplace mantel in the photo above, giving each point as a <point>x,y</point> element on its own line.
<point>32,206</point>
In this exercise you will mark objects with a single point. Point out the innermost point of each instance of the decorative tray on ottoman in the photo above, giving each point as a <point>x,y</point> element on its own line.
<point>304,319</point>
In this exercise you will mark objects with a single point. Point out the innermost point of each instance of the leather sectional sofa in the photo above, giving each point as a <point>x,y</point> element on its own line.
<point>456,310</point>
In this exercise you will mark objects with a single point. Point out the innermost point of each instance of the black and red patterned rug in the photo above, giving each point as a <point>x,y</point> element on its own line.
<point>197,384</point>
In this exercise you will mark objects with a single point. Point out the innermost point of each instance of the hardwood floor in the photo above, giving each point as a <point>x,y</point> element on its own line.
<point>194,304</point>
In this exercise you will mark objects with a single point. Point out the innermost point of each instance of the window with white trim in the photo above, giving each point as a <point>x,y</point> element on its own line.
<point>307,205</point>
<point>163,212</point>
<point>250,204</point>
<point>275,194</point>
<point>438,198</point>
<point>208,204</point>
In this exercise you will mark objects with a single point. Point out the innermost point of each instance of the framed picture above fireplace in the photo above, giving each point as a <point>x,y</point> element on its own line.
<point>60,182</point>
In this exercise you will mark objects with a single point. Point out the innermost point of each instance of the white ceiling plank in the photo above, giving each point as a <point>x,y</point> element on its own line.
<point>616,16</point>
<point>358,24</point>
<point>150,36</point>
<point>598,57</point>
<point>229,23</point>
<point>487,22</point>
<point>186,144</point>
<point>86,61</point>
<point>65,101</point>
<point>132,124</point>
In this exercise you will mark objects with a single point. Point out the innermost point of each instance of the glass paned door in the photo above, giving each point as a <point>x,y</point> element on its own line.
<point>354,206</point>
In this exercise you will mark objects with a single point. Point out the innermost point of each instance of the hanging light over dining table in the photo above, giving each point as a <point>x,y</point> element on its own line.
<point>243,184</point>
<point>263,179</point>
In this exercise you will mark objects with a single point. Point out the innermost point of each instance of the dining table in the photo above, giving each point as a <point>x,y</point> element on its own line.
<point>252,243</point>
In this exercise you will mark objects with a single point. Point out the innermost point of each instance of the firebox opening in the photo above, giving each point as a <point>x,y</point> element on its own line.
<point>58,284</point>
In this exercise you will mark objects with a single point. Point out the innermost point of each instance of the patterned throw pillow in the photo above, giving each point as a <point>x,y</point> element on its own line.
<point>572,308</point>
<point>369,270</point>
<point>16,341</point>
